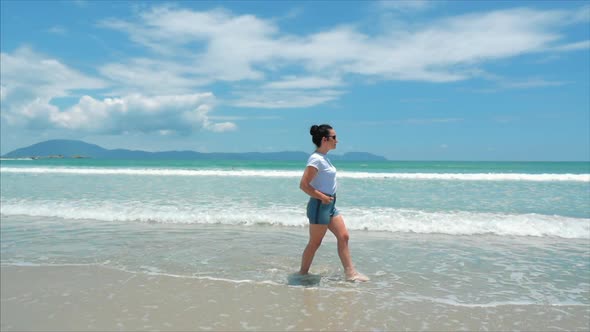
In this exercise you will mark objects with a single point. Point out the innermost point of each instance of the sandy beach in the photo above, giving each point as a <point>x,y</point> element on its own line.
<point>70,298</point>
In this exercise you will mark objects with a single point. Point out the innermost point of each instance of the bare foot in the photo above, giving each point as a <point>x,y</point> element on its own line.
<point>357,276</point>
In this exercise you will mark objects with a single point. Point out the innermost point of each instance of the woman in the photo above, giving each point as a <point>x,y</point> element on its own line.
<point>319,182</point>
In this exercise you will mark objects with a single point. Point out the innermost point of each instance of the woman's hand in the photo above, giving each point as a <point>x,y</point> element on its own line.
<point>327,199</point>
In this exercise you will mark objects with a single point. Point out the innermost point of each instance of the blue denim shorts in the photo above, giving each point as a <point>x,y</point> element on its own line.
<point>319,213</point>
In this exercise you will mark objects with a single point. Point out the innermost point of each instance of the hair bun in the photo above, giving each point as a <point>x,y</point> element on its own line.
<point>314,130</point>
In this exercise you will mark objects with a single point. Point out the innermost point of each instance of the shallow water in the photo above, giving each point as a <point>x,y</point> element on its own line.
<point>484,270</point>
<point>441,240</point>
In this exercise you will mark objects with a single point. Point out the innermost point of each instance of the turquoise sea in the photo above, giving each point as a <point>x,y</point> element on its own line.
<point>460,234</point>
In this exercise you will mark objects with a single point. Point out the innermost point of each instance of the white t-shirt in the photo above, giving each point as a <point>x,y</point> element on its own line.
<point>325,180</point>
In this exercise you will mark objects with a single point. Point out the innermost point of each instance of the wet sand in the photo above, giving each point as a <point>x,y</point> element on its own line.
<point>67,298</point>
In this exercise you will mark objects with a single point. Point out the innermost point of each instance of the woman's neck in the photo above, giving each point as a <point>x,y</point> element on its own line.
<point>322,150</point>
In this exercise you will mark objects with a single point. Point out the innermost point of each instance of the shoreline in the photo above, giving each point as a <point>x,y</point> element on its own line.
<point>95,297</point>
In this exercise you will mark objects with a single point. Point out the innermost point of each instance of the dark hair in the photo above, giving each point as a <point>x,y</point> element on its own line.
<point>319,132</point>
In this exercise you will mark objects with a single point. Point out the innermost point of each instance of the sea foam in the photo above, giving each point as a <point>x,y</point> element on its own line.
<point>296,174</point>
<point>371,219</point>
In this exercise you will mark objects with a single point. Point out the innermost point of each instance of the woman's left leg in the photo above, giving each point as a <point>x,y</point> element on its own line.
<point>338,227</point>
<point>316,235</point>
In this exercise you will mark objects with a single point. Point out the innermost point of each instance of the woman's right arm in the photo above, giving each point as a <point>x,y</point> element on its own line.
<point>308,175</point>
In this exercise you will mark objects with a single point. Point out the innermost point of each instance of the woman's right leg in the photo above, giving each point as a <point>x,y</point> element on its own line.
<point>316,235</point>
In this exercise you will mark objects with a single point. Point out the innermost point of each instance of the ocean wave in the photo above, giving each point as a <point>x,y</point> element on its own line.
<point>370,219</point>
<point>21,159</point>
<point>548,177</point>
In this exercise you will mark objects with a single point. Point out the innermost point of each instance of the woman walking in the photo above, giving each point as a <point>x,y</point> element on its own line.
<point>319,182</point>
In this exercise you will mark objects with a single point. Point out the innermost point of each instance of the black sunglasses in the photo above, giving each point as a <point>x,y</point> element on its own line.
<point>334,136</point>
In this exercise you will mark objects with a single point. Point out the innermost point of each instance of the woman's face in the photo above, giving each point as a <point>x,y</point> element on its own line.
<point>331,140</point>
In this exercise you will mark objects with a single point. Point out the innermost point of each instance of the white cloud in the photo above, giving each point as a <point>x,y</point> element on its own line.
<point>572,46</point>
<point>228,47</point>
<point>294,82</point>
<point>197,48</point>
<point>444,46</point>
<point>504,83</point>
<point>152,77</point>
<point>46,77</point>
<point>31,83</point>
<point>220,127</point>
<point>134,113</point>
<point>3,92</point>
<point>284,98</point>
<point>232,43</point>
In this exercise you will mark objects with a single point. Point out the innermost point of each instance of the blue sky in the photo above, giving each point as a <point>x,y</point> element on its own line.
<point>409,80</point>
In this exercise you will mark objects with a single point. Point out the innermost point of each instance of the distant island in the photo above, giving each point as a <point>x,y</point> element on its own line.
<point>58,149</point>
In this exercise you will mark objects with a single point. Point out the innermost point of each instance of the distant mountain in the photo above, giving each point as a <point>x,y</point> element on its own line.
<point>79,149</point>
